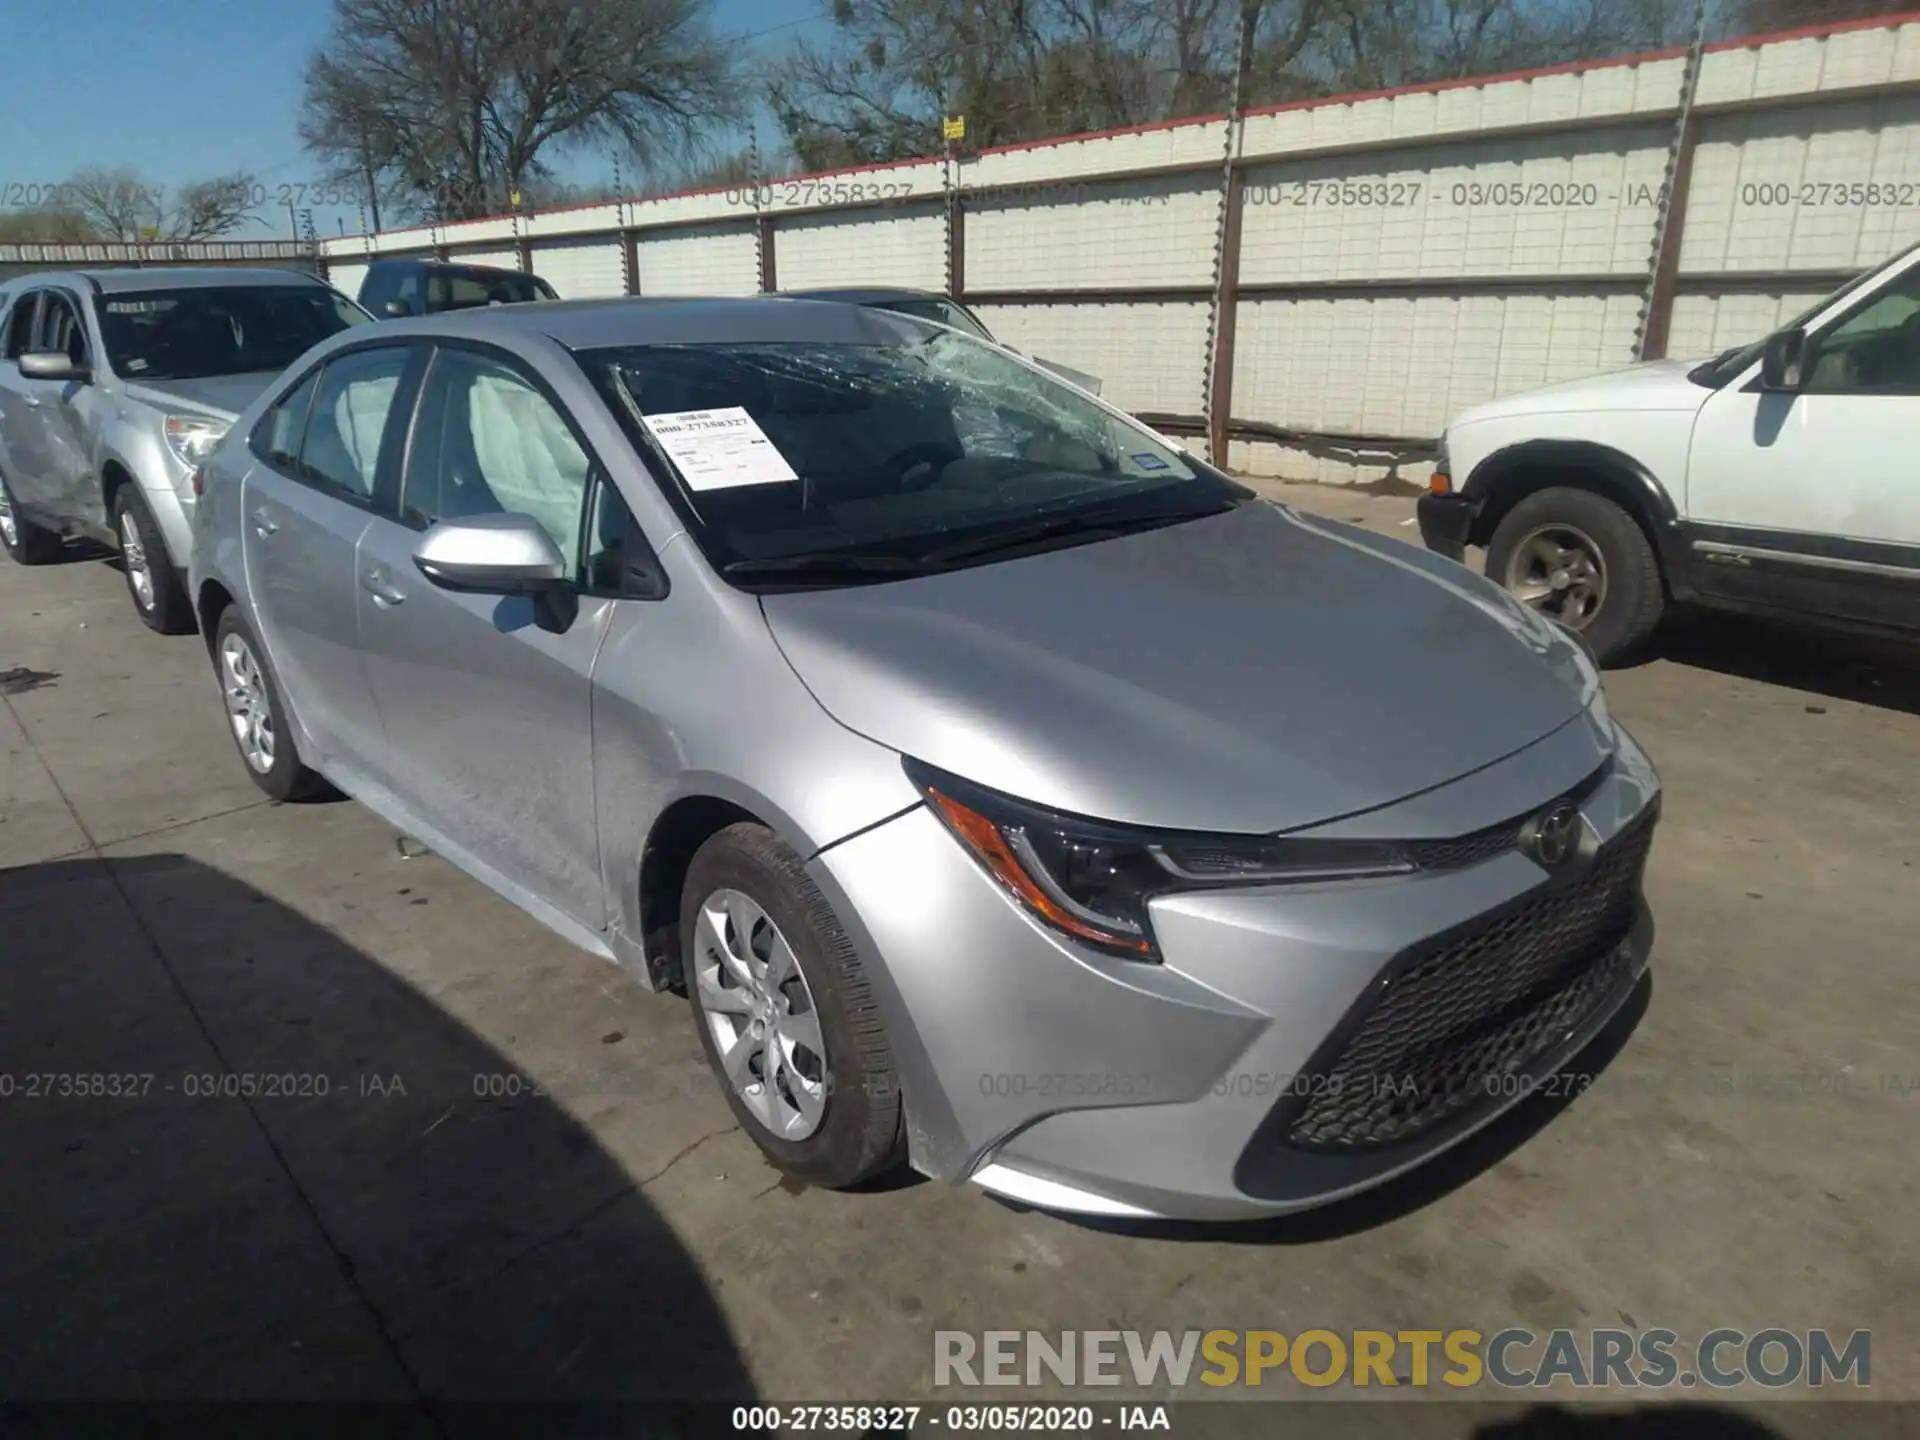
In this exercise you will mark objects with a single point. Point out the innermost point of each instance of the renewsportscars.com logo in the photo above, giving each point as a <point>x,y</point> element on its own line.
<point>1513,1358</point>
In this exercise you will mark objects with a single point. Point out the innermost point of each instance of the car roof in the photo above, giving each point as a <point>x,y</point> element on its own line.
<point>416,262</point>
<point>636,320</point>
<point>163,277</point>
<point>867,294</point>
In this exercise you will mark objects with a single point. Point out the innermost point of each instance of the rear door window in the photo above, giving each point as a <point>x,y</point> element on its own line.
<point>351,406</point>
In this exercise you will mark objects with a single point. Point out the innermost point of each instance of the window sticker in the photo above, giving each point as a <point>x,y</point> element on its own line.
<point>719,449</point>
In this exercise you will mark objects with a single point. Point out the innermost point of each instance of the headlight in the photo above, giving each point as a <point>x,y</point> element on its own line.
<point>1092,881</point>
<point>192,437</point>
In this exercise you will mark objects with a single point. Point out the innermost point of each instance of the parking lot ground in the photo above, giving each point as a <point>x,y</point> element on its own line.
<point>476,1164</point>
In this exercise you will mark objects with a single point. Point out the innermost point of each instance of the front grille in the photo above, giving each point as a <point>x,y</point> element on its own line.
<point>1465,850</point>
<point>1455,1017</point>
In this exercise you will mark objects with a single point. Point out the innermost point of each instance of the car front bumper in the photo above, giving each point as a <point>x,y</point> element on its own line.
<point>1446,522</point>
<point>1260,1068</point>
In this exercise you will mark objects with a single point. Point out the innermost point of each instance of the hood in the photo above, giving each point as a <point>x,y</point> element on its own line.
<point>222,395</point>
<point>1250,672</point>
<point>1655,385</point>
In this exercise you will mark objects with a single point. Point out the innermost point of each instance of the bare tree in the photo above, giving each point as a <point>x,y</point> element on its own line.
<point>208,209</point>
<point>116,204</point>
<point>1025,69</point>
<point>713,170</point>
<point>122,205</point>
<point>1757,17</point>
<point>45,225</point>
<point>459,104</point>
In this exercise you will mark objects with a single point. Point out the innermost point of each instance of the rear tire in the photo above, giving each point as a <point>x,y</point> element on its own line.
<point>26,542</point>
<point>256,716</point>
<point>1580,558</point>
<point>159,598</point>
<point>785,1014</point>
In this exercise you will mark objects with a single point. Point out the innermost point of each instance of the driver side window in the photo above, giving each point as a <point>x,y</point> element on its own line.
<point>20,325</point>
<point>486,441</point>
<point>1876,350</point>
<point>61,328</point>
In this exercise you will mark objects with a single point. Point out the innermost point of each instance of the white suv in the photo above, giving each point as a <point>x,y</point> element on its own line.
<point>1781,477</point>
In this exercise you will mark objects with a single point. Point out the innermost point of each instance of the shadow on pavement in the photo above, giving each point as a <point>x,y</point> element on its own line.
<point>240,1161</point>
<point>1884,673</point>
<point>1419,1188</point>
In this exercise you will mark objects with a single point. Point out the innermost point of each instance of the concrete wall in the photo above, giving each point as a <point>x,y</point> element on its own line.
<point>1393,259</point>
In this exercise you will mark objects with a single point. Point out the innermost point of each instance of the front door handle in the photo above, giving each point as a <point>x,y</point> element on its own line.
<point>32,402</point>
<point>379,584</point>
<point>264,524</point>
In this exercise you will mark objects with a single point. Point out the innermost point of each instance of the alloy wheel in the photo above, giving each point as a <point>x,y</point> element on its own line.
<point>133,555</point>
<point>9,529</point>
<point>1559,570</point>
<point>249,707</point>
<point>761,1015</point>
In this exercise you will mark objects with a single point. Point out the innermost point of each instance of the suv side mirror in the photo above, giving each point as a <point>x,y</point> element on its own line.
<point>52,365</point>
<point>396,309</point>
<point>1783,362</point>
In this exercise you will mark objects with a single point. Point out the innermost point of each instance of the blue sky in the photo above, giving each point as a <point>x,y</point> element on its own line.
<point>198,88</point>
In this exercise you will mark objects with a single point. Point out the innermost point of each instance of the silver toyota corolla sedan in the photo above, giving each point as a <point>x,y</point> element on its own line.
<point>1010,793</point>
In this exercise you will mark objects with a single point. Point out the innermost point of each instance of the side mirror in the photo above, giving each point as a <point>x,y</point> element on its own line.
<point>396,309</point>
<point>52,365</point>
<point>1783,363</point>
<point>491,555</point>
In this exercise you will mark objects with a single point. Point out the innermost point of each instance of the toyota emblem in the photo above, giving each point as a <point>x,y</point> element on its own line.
<point>1553,835</point>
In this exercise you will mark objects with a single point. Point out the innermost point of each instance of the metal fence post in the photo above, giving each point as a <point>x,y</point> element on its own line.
<point>629,242</point>
<point>956,222</point>
<point>1216,388</point>
<point>762,223</point>
<point>1663,264</point>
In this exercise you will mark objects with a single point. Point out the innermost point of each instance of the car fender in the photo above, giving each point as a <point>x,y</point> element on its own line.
<point>132,445</point>
<point>1498,456</point>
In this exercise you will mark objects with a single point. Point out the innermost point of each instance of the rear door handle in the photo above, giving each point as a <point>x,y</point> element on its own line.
<point>32,402</point>
<point>264,524</point>
<point>379,584</point>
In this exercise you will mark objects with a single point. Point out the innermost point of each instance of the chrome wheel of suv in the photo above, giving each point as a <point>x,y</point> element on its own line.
<point>1559,569</point>
<point>249,707</point>
<point>761,1015</point>
<point>133,555</point>
<point>9,531</point>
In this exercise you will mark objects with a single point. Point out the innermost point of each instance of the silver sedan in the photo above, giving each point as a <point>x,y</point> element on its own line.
<point>1010,793</point>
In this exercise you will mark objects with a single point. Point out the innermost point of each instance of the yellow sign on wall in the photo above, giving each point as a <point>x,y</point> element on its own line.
<point>955,127</point>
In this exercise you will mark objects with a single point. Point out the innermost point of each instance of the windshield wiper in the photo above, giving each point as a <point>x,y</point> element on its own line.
<point>824,564</point>
<point>1102,525</point>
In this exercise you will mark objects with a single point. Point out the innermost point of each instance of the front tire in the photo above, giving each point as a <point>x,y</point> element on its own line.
<point>785,1013</point>
<point>158,596</point>
<point>256,717</point>
<point>1581,559</point>
<point>26,542</point>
